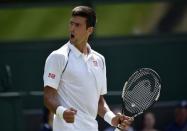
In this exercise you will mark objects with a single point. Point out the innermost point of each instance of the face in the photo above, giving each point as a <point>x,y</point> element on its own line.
<point>79,33</point>
<point>181,115</point>
<point>149,120</point>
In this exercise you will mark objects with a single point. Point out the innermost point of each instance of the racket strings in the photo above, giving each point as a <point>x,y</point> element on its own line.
<point>141,96</point>
<point>136,106</point>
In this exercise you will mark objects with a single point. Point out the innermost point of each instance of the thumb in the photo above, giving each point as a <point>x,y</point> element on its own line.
<point>119,113</point>
<point>73,110</point>
<point>121,117</point>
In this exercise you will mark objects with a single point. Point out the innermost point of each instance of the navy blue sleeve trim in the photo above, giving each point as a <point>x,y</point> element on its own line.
<point>66,62</point>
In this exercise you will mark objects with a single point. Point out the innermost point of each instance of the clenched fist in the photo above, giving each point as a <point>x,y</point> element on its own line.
<point>69,115</point>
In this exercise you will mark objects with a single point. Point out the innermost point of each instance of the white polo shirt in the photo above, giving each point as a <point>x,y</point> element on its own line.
<point>79,86</point>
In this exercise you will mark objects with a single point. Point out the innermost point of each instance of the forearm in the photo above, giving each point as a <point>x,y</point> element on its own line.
<point>51,99</point>
<point>102,107</point>
<point>105,112</point>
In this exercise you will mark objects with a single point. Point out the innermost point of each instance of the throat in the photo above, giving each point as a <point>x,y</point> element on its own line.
<point>85,51</point>
<point>83,48</point>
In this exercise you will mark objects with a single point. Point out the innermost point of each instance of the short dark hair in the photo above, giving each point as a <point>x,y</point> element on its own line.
<point>86,12</point>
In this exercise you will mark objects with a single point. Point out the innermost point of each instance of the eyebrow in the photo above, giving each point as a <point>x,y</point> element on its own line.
<point>74,22</point>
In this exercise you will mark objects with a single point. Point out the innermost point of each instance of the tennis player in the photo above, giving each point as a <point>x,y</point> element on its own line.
<point>75,80</point>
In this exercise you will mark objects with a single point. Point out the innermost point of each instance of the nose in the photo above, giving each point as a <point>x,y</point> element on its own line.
<point>71,27</point>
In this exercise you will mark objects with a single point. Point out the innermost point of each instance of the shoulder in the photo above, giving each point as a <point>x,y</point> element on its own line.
<point>62,52</point>
<point>171,127</point>
<point>98,55</point>
<point>100,58</point>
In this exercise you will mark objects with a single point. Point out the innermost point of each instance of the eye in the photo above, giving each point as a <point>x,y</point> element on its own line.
<point>70,23</point>
<point>77,24</point>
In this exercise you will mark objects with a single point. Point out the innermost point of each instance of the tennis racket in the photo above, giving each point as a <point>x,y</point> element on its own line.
<point>140,92</point>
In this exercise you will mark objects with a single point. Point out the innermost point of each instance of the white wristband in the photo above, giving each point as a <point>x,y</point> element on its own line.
<point>60,111</point>
<point>109,115</point>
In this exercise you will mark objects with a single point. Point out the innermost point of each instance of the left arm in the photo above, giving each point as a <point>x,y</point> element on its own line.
<point>102,107</point>
<point>105,112</point>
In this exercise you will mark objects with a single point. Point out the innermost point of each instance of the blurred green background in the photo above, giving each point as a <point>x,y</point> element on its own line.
<point>117,19</point>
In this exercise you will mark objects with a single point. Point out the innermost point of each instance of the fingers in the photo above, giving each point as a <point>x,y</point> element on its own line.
<point>123,117</point>
<point>74,110</point>
<point>122,121</point>
<point>69,115</point>
<point>125,121</point>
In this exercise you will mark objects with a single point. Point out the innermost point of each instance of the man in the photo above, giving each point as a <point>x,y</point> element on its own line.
<point>149,122</point>
<point>75,80</point>
<point>180,122</point>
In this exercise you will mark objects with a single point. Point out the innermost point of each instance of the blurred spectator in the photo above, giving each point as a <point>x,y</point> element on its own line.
<point>113,128</point>
<point>180,123</point>
<point>110,128</point>
<point>148,122</point>
<point>47,120</point>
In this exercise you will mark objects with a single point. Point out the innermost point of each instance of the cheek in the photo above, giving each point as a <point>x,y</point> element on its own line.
<point>82,33</point>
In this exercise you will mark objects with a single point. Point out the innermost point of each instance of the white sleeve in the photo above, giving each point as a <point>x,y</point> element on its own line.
<point>53,70</point>
<point>104,86</point>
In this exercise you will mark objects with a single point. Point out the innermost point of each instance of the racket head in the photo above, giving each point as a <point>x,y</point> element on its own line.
<point>140,92</point>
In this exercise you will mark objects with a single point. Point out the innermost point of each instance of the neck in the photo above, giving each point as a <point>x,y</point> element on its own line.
<point>82,47</point>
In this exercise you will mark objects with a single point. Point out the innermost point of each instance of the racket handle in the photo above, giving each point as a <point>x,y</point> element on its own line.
<point>118,128</point>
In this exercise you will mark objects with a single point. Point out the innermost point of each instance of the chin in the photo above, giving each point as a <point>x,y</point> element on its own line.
<point>72,40</point>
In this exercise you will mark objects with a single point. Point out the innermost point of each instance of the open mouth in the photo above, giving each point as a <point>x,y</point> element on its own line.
<point>72,36</point>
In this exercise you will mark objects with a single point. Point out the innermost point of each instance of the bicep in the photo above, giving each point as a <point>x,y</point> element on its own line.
<point>49,92</point>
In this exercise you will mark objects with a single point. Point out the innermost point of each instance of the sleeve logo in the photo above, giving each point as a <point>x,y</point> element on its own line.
<point>51,75</point>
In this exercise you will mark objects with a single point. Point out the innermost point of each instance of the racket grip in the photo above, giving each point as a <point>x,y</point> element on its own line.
<point>118,128</point>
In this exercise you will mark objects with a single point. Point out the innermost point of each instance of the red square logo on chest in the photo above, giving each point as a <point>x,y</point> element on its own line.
<point>95,63</point>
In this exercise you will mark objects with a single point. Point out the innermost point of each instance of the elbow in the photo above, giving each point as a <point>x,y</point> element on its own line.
<point>46,99</point>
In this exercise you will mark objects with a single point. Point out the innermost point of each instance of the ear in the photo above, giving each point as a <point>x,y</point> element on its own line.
<point>90,30</point>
